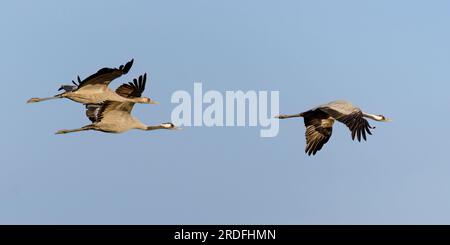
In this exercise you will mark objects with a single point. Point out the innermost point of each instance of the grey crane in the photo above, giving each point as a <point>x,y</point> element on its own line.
<point>115,117</point>
<point>319,123</point>
<point>94,89</point>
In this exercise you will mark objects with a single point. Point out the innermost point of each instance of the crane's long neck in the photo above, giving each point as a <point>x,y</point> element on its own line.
<point>149,128</point>
<point>156,127</point>
<point>141,126</point>
<point>372,116</point>
<point>134,100</point>
<point>289,116</point>
<point>113,96</point>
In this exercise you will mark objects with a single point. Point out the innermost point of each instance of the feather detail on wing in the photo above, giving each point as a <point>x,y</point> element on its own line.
<point>319,127</point>
<point>105,75</point>
<point>133,89</point>
<point>352,117</point>
<point>95,112</point>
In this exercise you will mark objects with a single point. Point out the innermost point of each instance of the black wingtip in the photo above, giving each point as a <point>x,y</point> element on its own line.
<point>144,81</point>
<point>127,66</point>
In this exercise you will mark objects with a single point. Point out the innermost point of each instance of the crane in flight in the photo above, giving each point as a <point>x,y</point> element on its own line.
<point>319,123</point>
<point>94,89</point>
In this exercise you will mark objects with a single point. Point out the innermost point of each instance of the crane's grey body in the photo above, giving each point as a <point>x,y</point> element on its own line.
<point>94,94</point>
<point>338,108</point>
<point>114,121</point>
<point>319,123</point>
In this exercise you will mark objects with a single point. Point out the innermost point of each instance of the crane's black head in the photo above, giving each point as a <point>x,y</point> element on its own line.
<point>168,125</point>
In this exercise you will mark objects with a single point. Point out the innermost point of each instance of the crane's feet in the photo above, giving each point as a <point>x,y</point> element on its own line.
<point>33,100</point>
<point>62,132</point>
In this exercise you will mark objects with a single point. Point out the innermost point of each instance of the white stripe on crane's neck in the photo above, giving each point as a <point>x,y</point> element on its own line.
<point>372,116</point>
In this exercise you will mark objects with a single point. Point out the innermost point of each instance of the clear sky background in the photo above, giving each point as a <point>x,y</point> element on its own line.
<point>388,57</point>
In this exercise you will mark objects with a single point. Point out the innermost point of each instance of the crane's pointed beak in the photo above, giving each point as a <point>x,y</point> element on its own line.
<point>154,102</point>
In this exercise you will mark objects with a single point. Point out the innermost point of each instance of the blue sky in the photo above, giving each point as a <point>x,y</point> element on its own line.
<point>388,57</point>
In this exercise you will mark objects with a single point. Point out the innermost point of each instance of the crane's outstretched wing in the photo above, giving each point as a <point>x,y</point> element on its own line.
<point>95,112</point>
<point>319,127</point>
<point>105,75</point>
<point>133,89</point>
<point>350,116</point>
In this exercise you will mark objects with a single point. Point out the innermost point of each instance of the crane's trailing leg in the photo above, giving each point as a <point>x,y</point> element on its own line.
<point>34,100</point>
<point>66,131</point>
<point>288,116</point>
